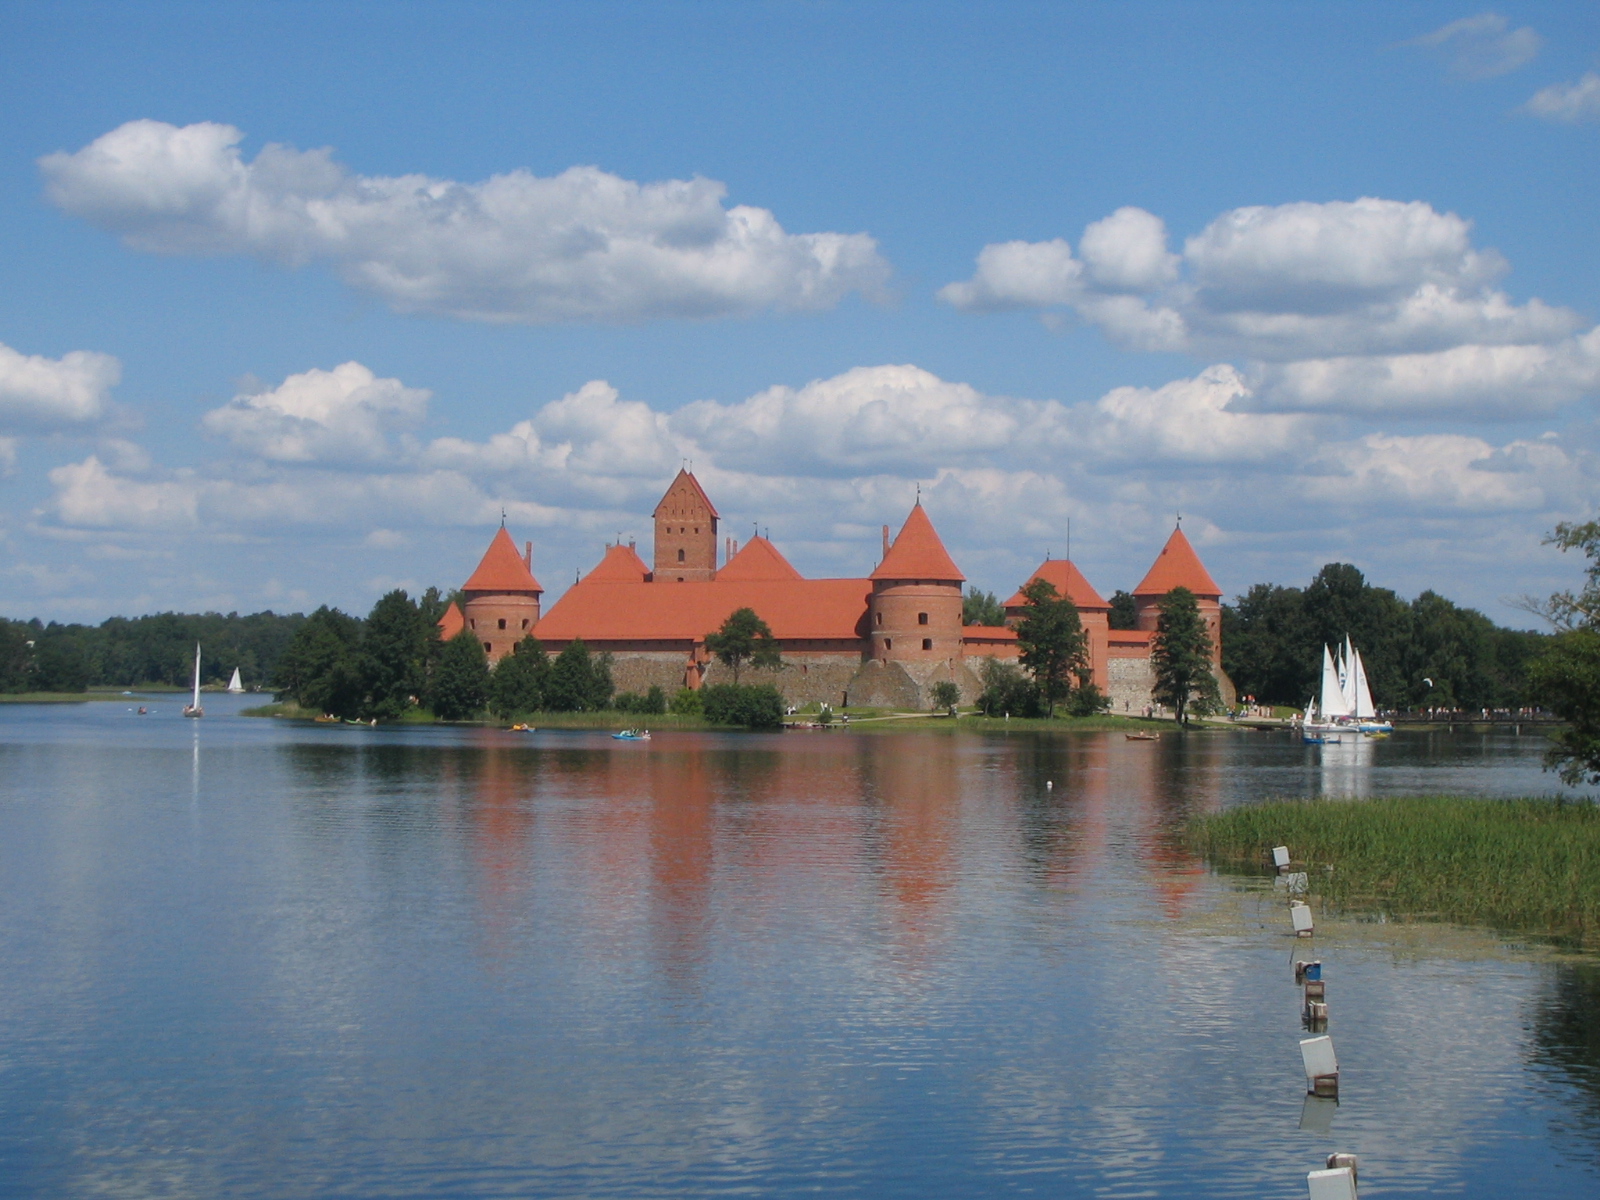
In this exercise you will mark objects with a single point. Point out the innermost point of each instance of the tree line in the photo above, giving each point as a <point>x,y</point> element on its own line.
<point>1419,654</point>
<point>128,652</point>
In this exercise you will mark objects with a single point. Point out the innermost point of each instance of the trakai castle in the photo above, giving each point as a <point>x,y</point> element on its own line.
<point>885,639</point>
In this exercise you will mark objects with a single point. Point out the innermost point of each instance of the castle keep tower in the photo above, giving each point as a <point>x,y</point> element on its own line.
<point>502,597</point>
<point>686,533</point>
<point>1179,566</point>
<point>914,612</point>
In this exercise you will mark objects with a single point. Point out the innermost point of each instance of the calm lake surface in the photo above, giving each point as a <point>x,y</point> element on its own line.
<point>246,958</point>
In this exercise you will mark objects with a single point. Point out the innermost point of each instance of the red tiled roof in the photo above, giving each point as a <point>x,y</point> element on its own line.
<point>831,609</point>
<point>621,564</point>
<point>451,623</point>
<point>918,553</point>
<point>682,476</point>
<point>758,560</point>
<point>1130,637</point>
<point>502,569</point>
<point>1178,566</point>
<point>1068,582</point>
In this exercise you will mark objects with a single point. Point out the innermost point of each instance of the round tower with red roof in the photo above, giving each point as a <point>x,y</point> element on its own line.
<point>502,597</point>
<point>1179,566</point>
<point>914,612</point>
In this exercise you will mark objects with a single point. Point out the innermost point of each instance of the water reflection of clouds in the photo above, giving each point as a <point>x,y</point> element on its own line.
<point>895,965</point>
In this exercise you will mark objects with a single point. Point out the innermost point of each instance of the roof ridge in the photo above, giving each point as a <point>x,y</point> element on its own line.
<point>502,569</point>
<point>1178,566</point>
<point>918,553</point>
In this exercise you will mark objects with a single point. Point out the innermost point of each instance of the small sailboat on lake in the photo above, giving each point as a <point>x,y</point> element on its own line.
<point>1342,709</point>
<point>236,685</point>
<point>193,709</point>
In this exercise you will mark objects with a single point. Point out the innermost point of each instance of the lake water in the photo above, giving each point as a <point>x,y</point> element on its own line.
<point>245,958</point>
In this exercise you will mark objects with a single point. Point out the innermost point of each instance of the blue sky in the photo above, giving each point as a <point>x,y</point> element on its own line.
<point>295,298</point>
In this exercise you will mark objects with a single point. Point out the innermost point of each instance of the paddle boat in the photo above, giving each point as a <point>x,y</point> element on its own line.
<point>632,735</point>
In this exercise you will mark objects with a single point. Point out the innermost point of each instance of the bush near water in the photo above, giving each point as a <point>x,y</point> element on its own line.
<point>1528,866</point>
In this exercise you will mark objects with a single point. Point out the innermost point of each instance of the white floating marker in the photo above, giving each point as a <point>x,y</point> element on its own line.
<point>1048,784</point>
<point>1322,1066</point>
<point>1300,917</point>
<point>1335,1183</point>
<point>1280,857</point>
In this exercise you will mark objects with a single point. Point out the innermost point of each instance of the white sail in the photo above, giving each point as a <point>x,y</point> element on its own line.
<point>236,684</point>
<point>1364,708</point>
<point>1332,701</point>
<point>193,709</point>
<point>1347,674</point>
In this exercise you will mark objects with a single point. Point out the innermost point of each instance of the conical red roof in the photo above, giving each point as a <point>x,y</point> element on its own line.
<point>1178,566</point>
<point>1068,582</point>
<point>451,623</point>
<point>502,569</point>
<point>758,560</point>
<point>621,564</point>
<point>918,553</point>
<point>688,481</point>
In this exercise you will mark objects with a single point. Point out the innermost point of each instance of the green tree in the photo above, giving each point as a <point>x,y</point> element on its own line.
<point>1055,649</point>
<point>394,654</point>
<point>1124,613</point>
<point>1180,655</point>
<point>319,669</point>
<point>685,702</point>
<point>460,686</point>
<point>578,681</point>
<point>59,663</point>
<point>1565,678</point>
<point>16,657</point>
<point>982,608</point>
<point>1007,691</point>
<point>755,706</point>
<point>744,637</point>
<point>946,694</point>
<point>518,682</point>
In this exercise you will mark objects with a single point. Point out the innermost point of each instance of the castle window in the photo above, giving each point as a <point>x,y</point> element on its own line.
<point>888,643</point>
<point>927,643</point>
<point>502,622</point>
<point>473,622</point>
<point>524,622</point>
<point>880,618</point>
<point>488,647</point>
<point>922,618</point>
<point>697,529</point>
<point>680,555</point>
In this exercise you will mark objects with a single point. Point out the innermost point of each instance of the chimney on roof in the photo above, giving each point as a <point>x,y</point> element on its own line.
<point>527,555</point>
<point>885,542</point>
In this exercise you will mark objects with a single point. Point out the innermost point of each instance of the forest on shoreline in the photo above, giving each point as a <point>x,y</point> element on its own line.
<point>1422,653</point>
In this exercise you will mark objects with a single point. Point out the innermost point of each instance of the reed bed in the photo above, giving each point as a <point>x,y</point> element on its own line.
<point>1528,866</point>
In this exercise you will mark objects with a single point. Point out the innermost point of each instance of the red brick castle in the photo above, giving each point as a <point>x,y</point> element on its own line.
<point>885,639</point>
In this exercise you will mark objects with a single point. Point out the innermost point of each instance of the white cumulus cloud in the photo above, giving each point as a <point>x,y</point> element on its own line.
<point>584,245</point>
<point>346,414</point>
<point>39,392</point>
<point>1569,102</point>
<point>1483,46</point>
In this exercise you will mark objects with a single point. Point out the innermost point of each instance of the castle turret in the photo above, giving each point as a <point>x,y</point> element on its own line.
<point>1179,566</point>
<point>914,612</point>
<point>1093,611</point>
<point>686,533</point>
<point>502,597</point>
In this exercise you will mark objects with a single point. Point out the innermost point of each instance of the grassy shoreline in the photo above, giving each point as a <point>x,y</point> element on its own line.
<point>1527,866</point>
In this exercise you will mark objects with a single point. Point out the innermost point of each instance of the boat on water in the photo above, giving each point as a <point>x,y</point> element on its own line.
<point>193,709</point>
<point>632,735</point>
<point>1342,709</point>
<point>1142,737</point>
<point>236,685</point>
<point>519,727</point>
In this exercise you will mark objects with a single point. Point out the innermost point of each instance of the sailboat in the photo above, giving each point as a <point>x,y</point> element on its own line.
<point>236,685</point>
<point>1343,709</point>
<point>193,708</point>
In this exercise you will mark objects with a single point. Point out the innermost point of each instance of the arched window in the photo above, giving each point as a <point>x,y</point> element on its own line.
<point>922,618</point>
<point>927,643</point>
<point>680,555</point>
<point>502,622</point>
